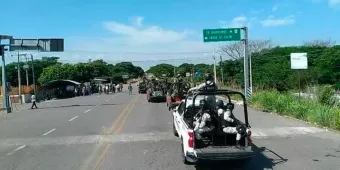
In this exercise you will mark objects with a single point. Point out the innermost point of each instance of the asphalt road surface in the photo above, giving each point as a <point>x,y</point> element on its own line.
<point>121,131</point>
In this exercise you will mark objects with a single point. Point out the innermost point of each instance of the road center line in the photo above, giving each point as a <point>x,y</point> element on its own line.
<point>16,149</point>
<point>48,132</point>
<point>73,118</point>
<point>87,110</point>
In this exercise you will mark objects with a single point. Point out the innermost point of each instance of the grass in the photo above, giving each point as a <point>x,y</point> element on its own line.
<point>303,109</point>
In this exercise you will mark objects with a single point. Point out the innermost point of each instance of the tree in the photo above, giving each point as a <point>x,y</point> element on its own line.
<point>236,50</point>
<point>319,43</point>
<point>329,66</point>
<point>185,68</point>
<point>85,72</point>
<point>160,69</point>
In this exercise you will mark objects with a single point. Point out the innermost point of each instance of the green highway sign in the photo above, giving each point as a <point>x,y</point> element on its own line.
<point>222,34</point>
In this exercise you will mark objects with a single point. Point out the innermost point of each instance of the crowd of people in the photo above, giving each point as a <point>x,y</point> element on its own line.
<point>100,88</point>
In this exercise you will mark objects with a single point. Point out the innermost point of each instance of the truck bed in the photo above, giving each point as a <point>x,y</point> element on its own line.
<point>224,153</point>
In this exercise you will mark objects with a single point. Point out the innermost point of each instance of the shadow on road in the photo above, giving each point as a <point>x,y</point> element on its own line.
<point>259,162</point>
<point>78,105</point>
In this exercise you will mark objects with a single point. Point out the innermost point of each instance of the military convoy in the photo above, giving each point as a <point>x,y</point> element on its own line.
<point>171,92</point>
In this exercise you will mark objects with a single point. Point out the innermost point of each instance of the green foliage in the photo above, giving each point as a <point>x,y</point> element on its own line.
<point>326,95</point>
<point>84,72</point>
<point>160,69</point>
<point>287,104</point>
<point>39,65</point>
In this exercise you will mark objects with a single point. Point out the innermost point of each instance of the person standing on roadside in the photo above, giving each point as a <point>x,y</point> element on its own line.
<point>121,86</point>
<point>33,102</point>
<point>130,89</point>
<point>107,89</point>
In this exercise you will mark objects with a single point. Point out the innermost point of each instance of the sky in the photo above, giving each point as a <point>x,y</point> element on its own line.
<point>150,32</point>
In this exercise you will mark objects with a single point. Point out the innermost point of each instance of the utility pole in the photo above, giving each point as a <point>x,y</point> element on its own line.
<point>19,77</point>
<point>34,87</point>
<point>215,76</point>
<point>5,99</point>
<point>247,81</point>
<point>222,79</point>
<point>26,71</point>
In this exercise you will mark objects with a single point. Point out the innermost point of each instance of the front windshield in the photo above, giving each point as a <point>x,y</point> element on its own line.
<point>157,93</point>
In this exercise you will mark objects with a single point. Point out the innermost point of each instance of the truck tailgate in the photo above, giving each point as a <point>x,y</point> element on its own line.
<point>224,153</point>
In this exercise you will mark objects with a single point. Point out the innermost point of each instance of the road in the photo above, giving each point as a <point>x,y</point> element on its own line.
<point>121,131</point>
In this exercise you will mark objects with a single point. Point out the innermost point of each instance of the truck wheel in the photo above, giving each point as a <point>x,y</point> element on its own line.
<point>184,158</point>
<point>174,128</point>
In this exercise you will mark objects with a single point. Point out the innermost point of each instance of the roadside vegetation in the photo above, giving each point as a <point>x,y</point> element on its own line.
<point>286,104</point>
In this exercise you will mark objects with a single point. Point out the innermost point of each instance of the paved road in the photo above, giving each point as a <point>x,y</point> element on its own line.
<point>118,131</point>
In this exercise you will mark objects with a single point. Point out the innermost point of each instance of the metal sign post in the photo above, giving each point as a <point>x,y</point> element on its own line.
<point>232,34</point>
<point>246,65</point>
<point>299,62</point>
<point>41,45</point>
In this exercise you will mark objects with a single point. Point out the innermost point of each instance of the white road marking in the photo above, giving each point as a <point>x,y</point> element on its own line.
<point>16,149</point>
<point>49,132</point>
<point>87,110</point>
<point>159,136</point>
<point>107,99</point>
<point>73,118</point>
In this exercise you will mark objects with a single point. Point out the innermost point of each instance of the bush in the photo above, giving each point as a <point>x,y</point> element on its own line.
<point>326,95</point>
<point>304,109</point>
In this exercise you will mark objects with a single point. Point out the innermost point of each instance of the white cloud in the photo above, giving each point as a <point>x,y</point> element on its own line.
<point>271,21</point>
<point>256,11</point>
<point>275,7</point>
<point>333,3</point>
<point>152,34</point>
<point>239,21</point>
<point>138,42</point>
<point>137,21</point>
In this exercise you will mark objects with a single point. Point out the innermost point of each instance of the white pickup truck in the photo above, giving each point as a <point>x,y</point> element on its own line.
<point>218,145</point>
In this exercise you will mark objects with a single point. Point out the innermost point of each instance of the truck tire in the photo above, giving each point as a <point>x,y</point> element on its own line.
<point>174,128</point>
<point>184,158</point>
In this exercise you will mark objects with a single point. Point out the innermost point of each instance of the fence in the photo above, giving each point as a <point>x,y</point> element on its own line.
<point>24,90</point>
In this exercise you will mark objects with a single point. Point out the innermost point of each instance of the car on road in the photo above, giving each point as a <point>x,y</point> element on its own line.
<point>156,96</point>
<point>142,87</point>
<point>217,144</point>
